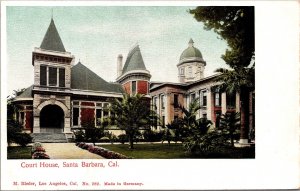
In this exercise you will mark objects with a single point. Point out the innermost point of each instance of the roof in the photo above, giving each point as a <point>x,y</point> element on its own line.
<point>52,40</point>
<point>188,85</point>
<point>27,94</point>
<point>83,78</point>
<point>134,60</point>
<point>191,52</point>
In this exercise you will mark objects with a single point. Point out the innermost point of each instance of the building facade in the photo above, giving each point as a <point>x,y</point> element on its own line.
<point>192,85</point>
<point>65,96</point>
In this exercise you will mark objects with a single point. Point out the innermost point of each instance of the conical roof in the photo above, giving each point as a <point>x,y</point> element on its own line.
<point>134,60</point>
<point>52,40</point>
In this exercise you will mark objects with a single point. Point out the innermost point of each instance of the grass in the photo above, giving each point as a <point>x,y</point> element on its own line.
<point>150,151</point>
<point>176,151</point>
<point>18,152</point>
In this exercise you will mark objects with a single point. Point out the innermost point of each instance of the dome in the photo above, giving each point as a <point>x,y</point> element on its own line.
<point>191,54</point>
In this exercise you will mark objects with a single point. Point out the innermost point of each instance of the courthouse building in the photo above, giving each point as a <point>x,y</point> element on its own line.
<point>65,94</point>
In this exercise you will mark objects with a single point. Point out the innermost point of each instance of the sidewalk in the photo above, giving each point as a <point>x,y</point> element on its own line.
<point>67,151</point>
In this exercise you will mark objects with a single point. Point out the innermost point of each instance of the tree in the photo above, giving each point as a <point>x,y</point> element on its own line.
<point>190,114</point>
<point>15,135</point>
<point>230,124</point>
<point>131,113</point>
<point>236,26</point>
<point>180,132</point>
<point>196,141</point>
<point>240,80</point>
<point>11,108</point>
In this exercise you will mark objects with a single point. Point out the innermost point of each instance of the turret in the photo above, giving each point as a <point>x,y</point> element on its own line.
<point>191,64</point>
<point>135,77</point>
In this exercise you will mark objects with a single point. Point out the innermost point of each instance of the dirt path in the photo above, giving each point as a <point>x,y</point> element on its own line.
<point>68,151</point>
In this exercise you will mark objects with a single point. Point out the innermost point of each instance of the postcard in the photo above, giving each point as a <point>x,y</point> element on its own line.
<point>109,95</point>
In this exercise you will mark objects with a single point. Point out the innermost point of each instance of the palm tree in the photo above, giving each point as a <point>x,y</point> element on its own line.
<point>190,114</point>
<point>241,80</point>
<point>131,113</point>
<point>230,123</point>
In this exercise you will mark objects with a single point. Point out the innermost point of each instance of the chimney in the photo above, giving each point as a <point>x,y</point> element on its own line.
<point>119,65</point>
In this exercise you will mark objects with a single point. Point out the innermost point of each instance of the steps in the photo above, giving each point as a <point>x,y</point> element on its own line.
<point>49,137</point>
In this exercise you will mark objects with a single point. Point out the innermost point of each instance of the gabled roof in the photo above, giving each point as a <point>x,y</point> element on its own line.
<point>52,40</point>
<point>134,60</point>
<point>83,78</point>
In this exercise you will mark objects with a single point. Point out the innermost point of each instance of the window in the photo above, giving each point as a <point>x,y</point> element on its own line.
<point>162,100</point>
<point>203,99</point>
<point>230,100</point>
<point>105,113</point>
<point>181,71</point>
<point>163,121</point>
<point>105,105</point>
<point>75,116</point>
<point>190,71</point>
<point>217,99</point>
<point>176,101</point>
<point>193,97</point>
<point>43,75</point>
<point>176,118</point>
<point>61,77</point>
<point>98,117</point>
<point>218,117</point>
<point>52,76</point>
<point>21,120</point>
<point>133,87</point>
<point>155,103</point>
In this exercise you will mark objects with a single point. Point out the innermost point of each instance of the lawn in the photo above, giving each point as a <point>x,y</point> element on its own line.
<point>176,151</point>
<point>18,152</point>
<point>150,151</point>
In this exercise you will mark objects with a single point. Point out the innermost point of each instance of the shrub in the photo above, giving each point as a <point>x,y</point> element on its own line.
<point>79,136</point>
<point>111,137</point>
<point>15,135</point>
<point>40,155</point>
<point>38,152</point>
<point>153,136</point>
<point>22,139</point>
<point>38,149</point>
<point>123,138</point>
<point>101,151</point>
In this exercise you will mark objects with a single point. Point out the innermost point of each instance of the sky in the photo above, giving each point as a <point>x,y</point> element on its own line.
<point>97,35</point>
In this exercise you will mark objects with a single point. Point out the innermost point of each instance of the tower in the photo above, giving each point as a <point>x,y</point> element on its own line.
<point>52,84</point>
<point>134,77</point>
<point>191,64</point>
